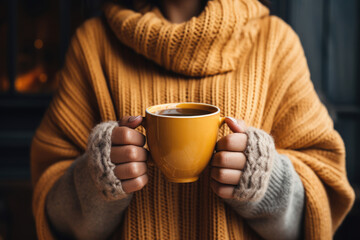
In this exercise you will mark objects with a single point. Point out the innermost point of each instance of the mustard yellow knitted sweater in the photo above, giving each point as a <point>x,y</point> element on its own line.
<point>233,55</point>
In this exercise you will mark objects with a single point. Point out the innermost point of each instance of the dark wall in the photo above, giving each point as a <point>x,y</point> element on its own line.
<point>329,31</point>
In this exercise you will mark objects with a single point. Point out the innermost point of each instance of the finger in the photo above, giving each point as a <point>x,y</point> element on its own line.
<point>235,142</point>
<point>128,153</point>
<point>226,176</point>
<point>135,184</point>
<point>131,121</point>
<point>127,136</point>
<point>236,125</point>
<point>222,190</point>
<point>233,160</point>
<point>130,170</point>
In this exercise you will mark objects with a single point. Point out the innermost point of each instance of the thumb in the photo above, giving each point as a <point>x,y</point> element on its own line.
<point>131,121</point>
<point>236,125</point>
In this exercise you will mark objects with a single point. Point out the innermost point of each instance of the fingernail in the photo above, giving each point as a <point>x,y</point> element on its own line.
<point>233,119</point>
<point>133,118</point>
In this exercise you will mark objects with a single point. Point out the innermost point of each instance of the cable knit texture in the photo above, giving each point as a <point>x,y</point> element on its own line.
<point>100,165</point>
<point>111,71</point>
<point>260,153</point>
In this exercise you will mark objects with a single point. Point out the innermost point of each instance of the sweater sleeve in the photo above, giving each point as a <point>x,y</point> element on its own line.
<point>270,194</point>
<point>75,109</point>
<point>303,131</point>
<point>88,201</point>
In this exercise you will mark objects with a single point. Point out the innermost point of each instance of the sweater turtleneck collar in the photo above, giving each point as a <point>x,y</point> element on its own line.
<point>208,44</point>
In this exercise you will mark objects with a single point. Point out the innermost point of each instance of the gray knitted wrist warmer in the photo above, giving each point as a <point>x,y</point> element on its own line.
<point>260,153</point>
<point>100,165</point>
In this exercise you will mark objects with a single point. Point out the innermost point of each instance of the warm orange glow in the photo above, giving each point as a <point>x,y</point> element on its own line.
<point>38,44</point>
<point>43,78</point>
<point>30,81</point>
<point>4,84</point>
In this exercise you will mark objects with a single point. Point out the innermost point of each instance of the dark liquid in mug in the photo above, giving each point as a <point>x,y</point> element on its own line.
<point>182,112</point>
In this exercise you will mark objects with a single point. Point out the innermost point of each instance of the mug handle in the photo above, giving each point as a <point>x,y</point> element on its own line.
<point>221,121</point>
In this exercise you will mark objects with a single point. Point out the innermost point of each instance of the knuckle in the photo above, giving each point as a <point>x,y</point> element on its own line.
<point>227,140</point>
<point>145,180</point>
<point>216,174</point>
<point>222,158</point>
<point>125,134</point>
<point>222,192</point>
<point>131,152</point>
<point>218,190</point>
<point>221,176</point>
<point>140,183</point>
<point>134,170</point>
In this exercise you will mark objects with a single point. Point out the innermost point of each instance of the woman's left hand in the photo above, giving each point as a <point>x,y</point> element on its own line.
<point>229,159</point>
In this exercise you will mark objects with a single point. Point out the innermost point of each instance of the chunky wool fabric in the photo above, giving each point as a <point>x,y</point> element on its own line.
<point>260,153</point>
<point>100,165</point>
<point>233,55</point>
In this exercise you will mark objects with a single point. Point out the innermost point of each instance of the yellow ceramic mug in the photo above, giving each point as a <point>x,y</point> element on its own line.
<point>182,146</point>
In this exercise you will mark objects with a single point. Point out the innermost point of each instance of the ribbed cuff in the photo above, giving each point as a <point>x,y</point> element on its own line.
<point>279,188</point>
<point>260,153</point>
<point>100,166</point>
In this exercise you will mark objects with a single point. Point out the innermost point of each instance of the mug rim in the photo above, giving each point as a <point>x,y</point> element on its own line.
<point>194,103</point>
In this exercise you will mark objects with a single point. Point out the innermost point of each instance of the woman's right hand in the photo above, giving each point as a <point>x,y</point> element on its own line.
<point>129,155</point>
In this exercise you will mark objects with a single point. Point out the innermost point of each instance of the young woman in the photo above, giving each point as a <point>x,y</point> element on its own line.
<point>279,167</point>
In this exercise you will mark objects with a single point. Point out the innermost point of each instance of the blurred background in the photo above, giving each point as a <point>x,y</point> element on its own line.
<point>34,36</point>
